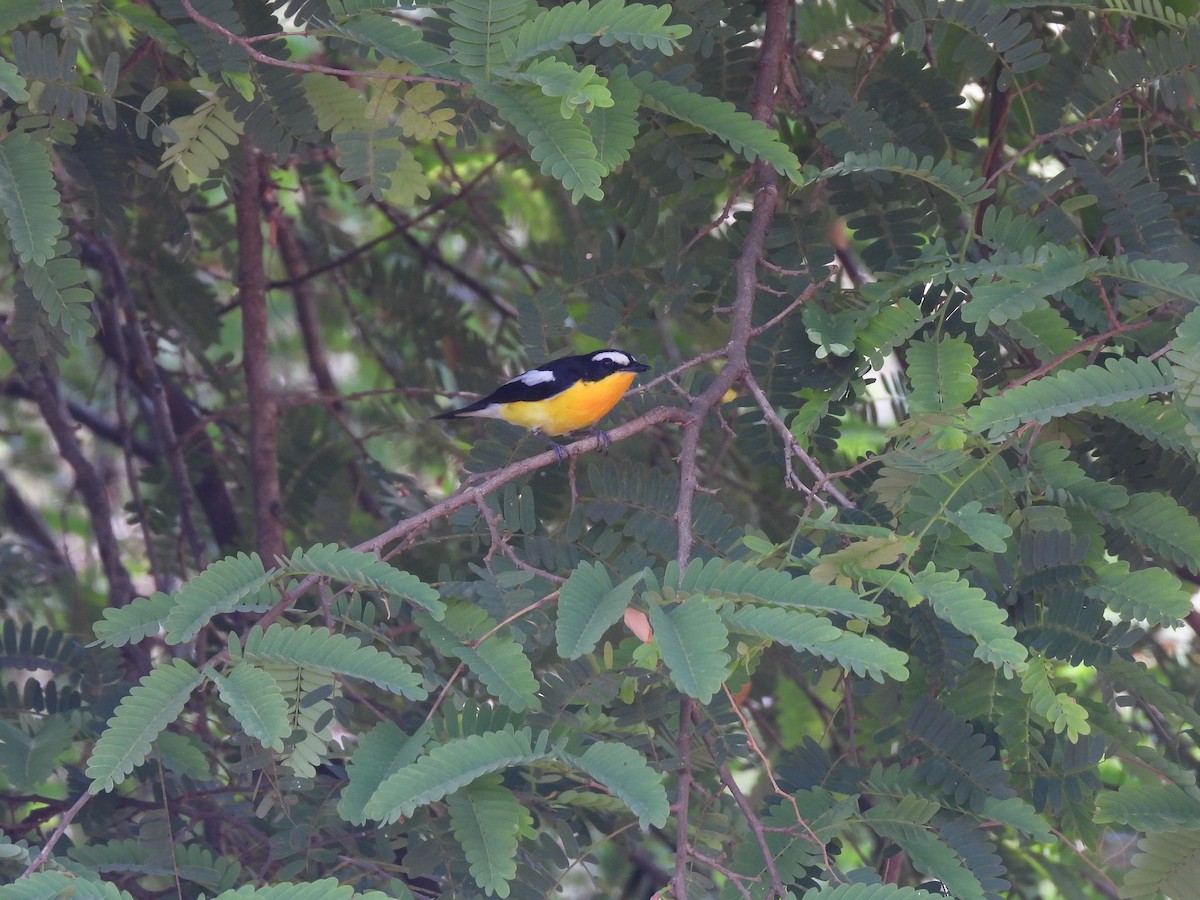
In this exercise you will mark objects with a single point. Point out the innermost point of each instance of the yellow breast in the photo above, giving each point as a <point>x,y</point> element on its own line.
<point>581,405</point>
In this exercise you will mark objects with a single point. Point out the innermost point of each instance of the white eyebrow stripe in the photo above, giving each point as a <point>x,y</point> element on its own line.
<point>534,376</point>
<point>615,356</point>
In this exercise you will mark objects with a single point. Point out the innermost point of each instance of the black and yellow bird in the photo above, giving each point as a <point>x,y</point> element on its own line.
<point>566,394</point>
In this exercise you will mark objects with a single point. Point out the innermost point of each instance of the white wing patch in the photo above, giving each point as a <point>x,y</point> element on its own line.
<point>616,356</point>
<point>534,376</point>
<point>491,411</point>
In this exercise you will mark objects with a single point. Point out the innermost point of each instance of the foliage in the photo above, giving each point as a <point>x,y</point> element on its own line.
<point>882,590</point>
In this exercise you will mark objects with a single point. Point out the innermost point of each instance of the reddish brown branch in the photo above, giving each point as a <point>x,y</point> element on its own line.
<point>141,358</point>
<point>91,485</point>
<point>264,410</point>
<point>469,494</point>
<point>684,745</point>
<point>1094,341</point>
<point>247,45</point>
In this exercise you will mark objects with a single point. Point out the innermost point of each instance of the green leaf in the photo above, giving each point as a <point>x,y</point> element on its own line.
<point>1154,594</point>
<point>499,662</point>
<point>614,128</point>
<point>1061,710</point>
<point>960,183</point>
<point>448,767</point>
<point>969,610</point>
<point>363,572</point>
<point>1069,392</point>
<point>1163,424</point>
<point>941,373</point>
<point>1149,807</point>
<point>721,579</point>
<point>254,699</point>
<point>562,147</point>
<point>184,754</point>
<point>580,89</point>
<point>221,588</point>
<point>392,39</point>
<point>27,760</point>
<point>53,885</point>
<point>29,199</point>
<point>479,28</point>
<point>151,706</point>
<point>692,639</point>
<point>1158,522</point>
<point>198,144</point>
<point>60,287</point>
<point>382,752</point>
<point>11,82</point>
<point>334,654</point>
<point>1168,864</point>
<point>121,625</point>
<point>1020,288</point>
<point>905,823</point>
<point>798,630</point>
<point>588,604</point>
<point>321,889</point>
<point>955,758</point>
<point>1017,813</point>
<point>610,21</point>
<point>383,165</point>
<point>869,892</point>
<point>747,136</point>
<point>626,773</point>
<point>986,529</point>
<point>487,820</point>
<point>862,654</point>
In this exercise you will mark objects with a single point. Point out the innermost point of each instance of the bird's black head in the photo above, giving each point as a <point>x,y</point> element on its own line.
<point>603,363</point>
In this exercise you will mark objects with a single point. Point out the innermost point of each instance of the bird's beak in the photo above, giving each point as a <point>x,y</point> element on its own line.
<point>637,367</point>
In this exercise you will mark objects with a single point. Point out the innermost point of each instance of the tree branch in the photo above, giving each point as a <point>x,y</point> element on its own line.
<point>247,44</point>
<point>762,108</point>
<point>264,411</point>
<point>143,360</point>
<point>91,485</point>
<point>469,494</point>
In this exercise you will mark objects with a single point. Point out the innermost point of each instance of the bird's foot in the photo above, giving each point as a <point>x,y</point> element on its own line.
<point>560,452</point>
<point>605,440</point>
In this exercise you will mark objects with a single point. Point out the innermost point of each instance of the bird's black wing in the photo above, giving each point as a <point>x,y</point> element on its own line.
<point>518,391</point>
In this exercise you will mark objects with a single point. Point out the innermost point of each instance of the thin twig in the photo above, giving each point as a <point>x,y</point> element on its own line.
<point>468,494</point>
<point>63,824</point>
<point>142,358</point>
<point>247,44</point>
<point>792,448</point>
<point>1094,341</point>
<point>684,745</point>
<point>552,597</point>
<point>500,543</point>
<point>769,771</point>
<point>91,485</point>
<point>751,817</point>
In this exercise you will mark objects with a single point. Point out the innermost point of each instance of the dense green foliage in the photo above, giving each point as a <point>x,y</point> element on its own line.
<point>883,587</point>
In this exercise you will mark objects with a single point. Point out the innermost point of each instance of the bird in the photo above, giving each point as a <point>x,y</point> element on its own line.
<point>566,394</point>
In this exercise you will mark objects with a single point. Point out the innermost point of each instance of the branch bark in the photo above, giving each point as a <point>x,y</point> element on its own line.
<point>762,107</point>
<point>264,409</point>
<point>142,360</point>
<point>91,485</point>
